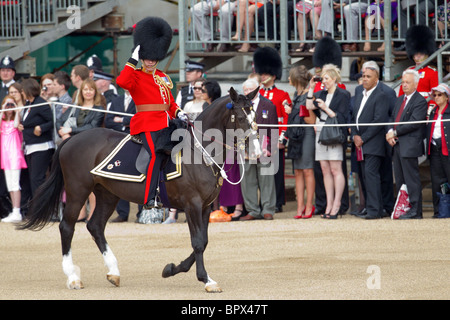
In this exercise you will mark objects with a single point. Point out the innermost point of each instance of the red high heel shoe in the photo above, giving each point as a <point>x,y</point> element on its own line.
<point>299,216</point>
<point>310,214</point>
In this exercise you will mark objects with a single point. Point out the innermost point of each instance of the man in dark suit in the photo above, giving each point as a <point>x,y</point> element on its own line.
<point>407,141</point>
<point>122,103</point>
<point>370,107</point>
<point>256,175</point>
<point>386,174</point>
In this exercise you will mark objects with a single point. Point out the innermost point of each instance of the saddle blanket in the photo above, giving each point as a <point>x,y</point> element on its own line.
<point>129,161</point>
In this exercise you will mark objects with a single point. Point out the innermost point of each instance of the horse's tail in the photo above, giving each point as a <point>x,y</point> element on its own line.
<point>45,203</point>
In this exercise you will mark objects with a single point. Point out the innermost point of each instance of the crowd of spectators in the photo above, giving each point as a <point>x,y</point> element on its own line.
<point>318,96</point>
<point>355,23</point>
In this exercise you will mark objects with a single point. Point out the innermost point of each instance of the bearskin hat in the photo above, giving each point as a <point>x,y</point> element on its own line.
<point>419,39</point>
<point>327,51</point>
<point>154,35</point>
<point>267,60</point>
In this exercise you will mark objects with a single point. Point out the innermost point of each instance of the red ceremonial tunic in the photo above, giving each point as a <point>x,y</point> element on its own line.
<point>428,80</point>
<point>277,97</point>
<point>148,88</point>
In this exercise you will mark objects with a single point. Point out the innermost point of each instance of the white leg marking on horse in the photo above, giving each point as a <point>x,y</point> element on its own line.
<point>111,262</point>
<point>70,270</point>
<point>212,286</point>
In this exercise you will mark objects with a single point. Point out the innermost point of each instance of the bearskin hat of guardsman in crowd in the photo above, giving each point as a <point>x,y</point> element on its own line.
<point>327,51</point>
<point>154,35</point>
<point>266,60</point>
<point>419,39</point>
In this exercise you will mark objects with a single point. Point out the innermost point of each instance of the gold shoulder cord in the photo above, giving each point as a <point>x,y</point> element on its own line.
<point>166,87</point>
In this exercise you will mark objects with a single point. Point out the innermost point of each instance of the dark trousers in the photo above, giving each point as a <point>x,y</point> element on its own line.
<point>387,183</point>
<point>123,209</point>
<point>371,173</point>
<point>38,163</point>
<point>406,171</point>
<point>150,140</point>
<point>280,189</point>
<point>267,12</point>
<point>440,173</point>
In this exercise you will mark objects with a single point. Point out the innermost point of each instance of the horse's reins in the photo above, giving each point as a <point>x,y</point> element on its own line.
<point>199,145</point>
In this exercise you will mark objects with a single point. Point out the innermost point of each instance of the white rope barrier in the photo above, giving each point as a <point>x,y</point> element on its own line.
<point>259,125</point>
<point>68,105</point>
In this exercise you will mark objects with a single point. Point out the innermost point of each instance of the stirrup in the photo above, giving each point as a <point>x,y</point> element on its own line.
<point>152,204</point>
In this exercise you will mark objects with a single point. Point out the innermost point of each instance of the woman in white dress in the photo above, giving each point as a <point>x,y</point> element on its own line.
<point>332,101</point>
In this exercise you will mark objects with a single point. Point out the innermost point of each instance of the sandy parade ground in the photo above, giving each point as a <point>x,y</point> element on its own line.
<point>283,259</point>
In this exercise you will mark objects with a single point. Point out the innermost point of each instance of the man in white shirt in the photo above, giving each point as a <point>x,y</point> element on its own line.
<point>370,107</point>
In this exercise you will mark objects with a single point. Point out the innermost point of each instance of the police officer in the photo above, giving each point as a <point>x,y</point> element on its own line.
<point>194,71</point>
<point>7,74</point>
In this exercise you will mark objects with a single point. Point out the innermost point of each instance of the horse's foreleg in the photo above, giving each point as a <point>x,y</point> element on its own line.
<point>171,269</point>
<point>105,204</point>
<point>198,227</point>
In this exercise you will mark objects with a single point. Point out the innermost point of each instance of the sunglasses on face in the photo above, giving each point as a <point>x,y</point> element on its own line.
<point>198,88</point>
<point>438,94</point>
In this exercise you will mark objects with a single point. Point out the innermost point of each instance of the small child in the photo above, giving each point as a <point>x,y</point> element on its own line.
<point>12,158</point>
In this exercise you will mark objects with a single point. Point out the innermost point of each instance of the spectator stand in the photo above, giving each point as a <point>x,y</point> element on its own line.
<point>287,40</point>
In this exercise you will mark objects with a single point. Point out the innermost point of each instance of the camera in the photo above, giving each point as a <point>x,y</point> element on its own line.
<point>44,88</point>
<point>317,79</point>
<point>10,105</point>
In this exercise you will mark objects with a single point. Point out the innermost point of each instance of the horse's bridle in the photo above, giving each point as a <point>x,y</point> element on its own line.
<point>238,147</point>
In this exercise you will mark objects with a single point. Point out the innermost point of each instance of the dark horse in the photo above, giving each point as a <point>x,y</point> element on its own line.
<point>193,192</point>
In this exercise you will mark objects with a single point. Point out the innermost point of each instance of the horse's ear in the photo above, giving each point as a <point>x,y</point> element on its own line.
<point>233,95</point>
<point>253,94</point>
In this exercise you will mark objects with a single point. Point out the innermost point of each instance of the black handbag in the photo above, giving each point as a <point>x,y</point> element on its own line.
<point>330,135</point>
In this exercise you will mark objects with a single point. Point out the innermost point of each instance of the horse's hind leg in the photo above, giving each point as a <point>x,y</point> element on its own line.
<point>66,229</point>
<point>104,208</point>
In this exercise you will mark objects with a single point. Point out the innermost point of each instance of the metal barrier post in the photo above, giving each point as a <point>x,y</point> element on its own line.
<point>387,41</point>
<point>283,39</point>
<point>181,38</point>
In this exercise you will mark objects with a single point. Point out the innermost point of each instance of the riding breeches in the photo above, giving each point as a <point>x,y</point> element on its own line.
<point>149,140</point>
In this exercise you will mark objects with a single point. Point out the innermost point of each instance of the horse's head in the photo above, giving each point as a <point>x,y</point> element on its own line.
<point>243,117</point>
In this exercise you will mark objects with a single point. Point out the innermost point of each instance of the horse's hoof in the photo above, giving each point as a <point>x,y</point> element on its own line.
<point>115,280</point>
<point>75,285</point>
<point>168,270</point>
<point>213,288</point>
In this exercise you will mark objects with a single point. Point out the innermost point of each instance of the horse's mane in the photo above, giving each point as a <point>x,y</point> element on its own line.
<point>214,106</point>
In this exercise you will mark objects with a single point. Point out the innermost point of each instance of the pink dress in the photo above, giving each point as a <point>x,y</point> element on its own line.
<point>12,157</point>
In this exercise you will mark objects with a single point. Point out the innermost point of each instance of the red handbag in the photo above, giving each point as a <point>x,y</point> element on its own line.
<point>303,111</point>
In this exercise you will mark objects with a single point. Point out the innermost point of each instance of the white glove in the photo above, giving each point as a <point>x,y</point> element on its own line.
<point>135,54</point>
<point>182,116</point>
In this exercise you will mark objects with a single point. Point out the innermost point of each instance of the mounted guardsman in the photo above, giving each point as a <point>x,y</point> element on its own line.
<point>150,90</point>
